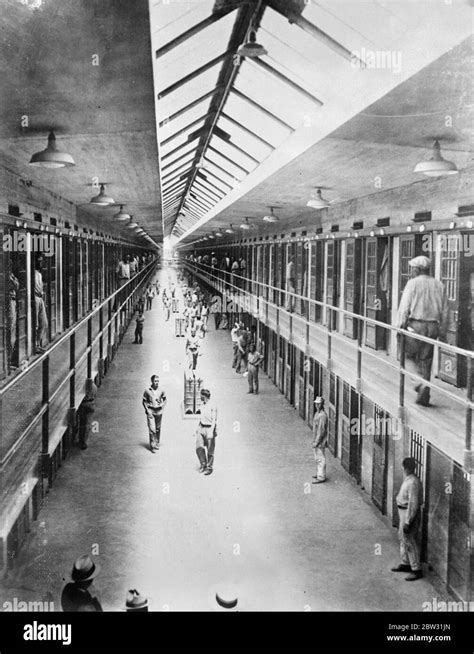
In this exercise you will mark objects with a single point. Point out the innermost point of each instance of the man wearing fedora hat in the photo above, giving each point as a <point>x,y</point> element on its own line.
<point>423,310</point>
<point>135,603</point>
<point>80,594</point>
<point>320,439</point>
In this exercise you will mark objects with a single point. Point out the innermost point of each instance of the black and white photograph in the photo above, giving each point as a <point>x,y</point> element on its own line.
<point>237,322</point>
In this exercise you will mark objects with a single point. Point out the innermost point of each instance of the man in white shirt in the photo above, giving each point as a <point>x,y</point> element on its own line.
<point>192,349</point>
<point>206,433</point>
<point>409,501</point>
<point>423,310</point>
<point>154,401</point>
<point>234,334</point>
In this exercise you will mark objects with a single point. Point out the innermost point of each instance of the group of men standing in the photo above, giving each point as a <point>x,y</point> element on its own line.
<point>246,359</point>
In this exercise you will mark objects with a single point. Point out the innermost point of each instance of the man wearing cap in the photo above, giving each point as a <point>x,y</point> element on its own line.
<point>409,501</point>
<point>320,439</point>
<point>136,603</point>
<point>154,401</point>
<point>206,433</point>
<point>422,310</point>
<point>80,594</point>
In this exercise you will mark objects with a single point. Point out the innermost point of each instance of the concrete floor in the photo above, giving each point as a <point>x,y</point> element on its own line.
<point>256,526</point>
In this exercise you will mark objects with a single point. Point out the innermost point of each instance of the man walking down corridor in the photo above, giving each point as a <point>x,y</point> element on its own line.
<point>422,310</point>
<point>154,401</point>
<point>206,433</point>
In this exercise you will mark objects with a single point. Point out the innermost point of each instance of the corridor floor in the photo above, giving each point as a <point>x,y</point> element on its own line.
<point>256,526</point>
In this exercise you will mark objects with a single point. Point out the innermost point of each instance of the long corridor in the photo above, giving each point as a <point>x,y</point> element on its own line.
<point>256,526</point>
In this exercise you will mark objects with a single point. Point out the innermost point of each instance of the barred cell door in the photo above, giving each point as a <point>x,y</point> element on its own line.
<point>303,378</point>
<point>290,373</point>
<point>350,444</point>
<point>407,252</point>
<point>316,279</point>
<point>352,285</point>
<point>377,273</point>
<point>52,297</point>
<point>333,413</point>
<point>459,533</point>
<point>281,364</point>
<point>437,506</point>
<point>332,281</point>
<point>379,458</point>
<point>273,356</point>
<point>452,368</point>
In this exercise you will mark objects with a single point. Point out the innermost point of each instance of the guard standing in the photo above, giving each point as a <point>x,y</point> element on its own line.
<point>254,361</point>
<point>320,438</point>
<point>206,433</point>
<point>409,501</point>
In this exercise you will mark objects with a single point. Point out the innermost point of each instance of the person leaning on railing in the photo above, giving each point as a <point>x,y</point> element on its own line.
<point>423,310</point>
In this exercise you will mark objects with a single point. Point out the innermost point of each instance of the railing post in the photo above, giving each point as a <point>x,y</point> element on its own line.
<point>468,440</point>
<point>401,400</point>
<point>329,326</point>
<point>360,328</point>
<point>45,421</point>
<point>89,347</point>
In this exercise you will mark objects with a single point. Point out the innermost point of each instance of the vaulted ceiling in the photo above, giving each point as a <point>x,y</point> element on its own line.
<point>84,69</point>
<point>346,91</point>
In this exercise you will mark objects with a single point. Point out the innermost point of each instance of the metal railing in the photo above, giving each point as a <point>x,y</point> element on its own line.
<point>246,290</point>
<point>114,305</point>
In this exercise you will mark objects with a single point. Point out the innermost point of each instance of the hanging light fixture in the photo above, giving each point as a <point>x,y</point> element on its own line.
<point>51,157</point>
<point>271,218</point>
<point>318,202</point>
<point>132,224</point>
<point>437,165</point>
<point>219,233</point>
<point>229,230</point>
<point>121,214</point>
<point>246,225</point>
<point>251,48</point>
<point>211,236</point>
<point>102,199</point>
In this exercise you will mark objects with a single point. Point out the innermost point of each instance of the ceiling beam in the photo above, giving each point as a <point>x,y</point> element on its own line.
<point>191,76</point>
<point>213,149</point>
<point>182,130</point>
<point>187,107</point>
<point>241,150</point>
<point>247,130</point>
<point>242,96</point>
<point>287,80</point>
<point>317,33</point>
<point>213,163</point>
<point>209,172</point>
<point>195,29</point>
<point>245,17</point>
